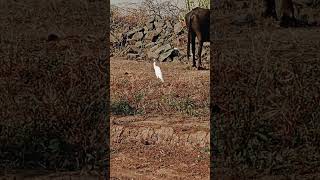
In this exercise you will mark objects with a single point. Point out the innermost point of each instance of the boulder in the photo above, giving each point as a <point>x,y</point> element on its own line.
<point>169,26</point>
<point>164,56</point>
<point>150,26</point>
<point>149,45</point>
<point>152,55</point>
<point>154,48</point>
<point>159,24</point>
<point>159,30</point>
<point>178,29</point>
<point>133,49</point>
<point>138,44</point>
<point>154,52</point>
<point>168,54</point>
<point>137,36</point>
<point>166,35</point>
<point>152,36</point>
<point>113,38</point>
<point>132,32</point>
<point>145,29</point>
<point>151,20</point>
<point>132,56</point>
<point>160,41</point>
<point>163,48</point>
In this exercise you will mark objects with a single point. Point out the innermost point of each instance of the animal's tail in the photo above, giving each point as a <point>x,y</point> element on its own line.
<point>189,35</point>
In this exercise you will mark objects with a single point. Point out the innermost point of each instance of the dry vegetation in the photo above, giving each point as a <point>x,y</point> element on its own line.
<point>266,81</point>
<point>135,89</point>
<point>53,94</point>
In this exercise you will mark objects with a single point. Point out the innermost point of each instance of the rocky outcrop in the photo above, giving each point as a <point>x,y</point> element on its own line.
<point>164,40</point>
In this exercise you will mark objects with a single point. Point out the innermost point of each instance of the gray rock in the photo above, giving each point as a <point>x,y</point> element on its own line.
<point>159,30</point>
<point>149,45</point>
<point>132,56</point>
<point>159,24</point>
<point>166,34</point>
<point>145,29</point>
<point>164,56</point>
<point>152,55</point>
<point>113,39</point>
<point>176,58</point>
<point>133,49</point>
<point>138,44</point>
<point>160,41</point>
<point>157,18</point>
<point>178,29</point>
<point>170,54</point>
<point>169,26</point>
<point>151,20</point>
<point>154,48</point>
<point>152,36</point>
<point>156,51</point>
<point>137,36</point>
<point>132,32</point>
<point>150,26</point>
<point>163,48</point>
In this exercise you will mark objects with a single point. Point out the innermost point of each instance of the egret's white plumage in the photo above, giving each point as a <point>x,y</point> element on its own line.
<point>158,72</point>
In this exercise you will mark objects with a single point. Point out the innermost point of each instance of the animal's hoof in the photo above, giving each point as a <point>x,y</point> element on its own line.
<point>194,67</point>
<point>200,68</point>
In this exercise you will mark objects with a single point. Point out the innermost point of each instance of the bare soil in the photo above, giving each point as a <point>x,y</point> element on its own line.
<point>158,144</point>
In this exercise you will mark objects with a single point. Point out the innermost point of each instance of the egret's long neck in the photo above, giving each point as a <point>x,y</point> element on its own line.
<point>154,64</point>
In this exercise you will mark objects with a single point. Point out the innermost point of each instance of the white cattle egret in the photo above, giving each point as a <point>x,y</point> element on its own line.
<point>157,70</point>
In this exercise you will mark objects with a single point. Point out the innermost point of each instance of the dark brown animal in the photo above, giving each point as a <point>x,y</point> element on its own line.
<point>270,9</point>
<point>287,11</point>
<point>198,24</point>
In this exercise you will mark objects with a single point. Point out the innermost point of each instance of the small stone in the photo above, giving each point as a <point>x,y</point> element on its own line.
<point>132,56</point>
<point>178,29</point>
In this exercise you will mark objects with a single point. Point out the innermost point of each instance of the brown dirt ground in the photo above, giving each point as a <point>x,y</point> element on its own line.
<point>36,174</point>
<point>159,144</point>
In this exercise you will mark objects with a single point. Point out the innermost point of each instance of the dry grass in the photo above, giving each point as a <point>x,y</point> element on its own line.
<point>53,94</point>
<point>134,84</point>
<point>267,83</point>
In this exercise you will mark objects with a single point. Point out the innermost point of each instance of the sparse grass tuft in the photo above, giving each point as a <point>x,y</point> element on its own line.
<point>186,105</point>
<point>122,107</point>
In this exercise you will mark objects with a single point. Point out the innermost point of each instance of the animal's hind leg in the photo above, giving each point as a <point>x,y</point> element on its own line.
<point>193,43</point>
<point>199,53</point>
